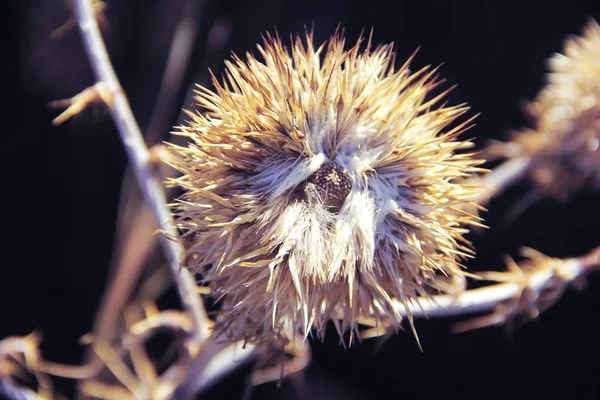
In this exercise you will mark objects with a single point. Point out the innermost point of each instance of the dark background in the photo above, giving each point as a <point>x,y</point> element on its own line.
<point>61,185</point>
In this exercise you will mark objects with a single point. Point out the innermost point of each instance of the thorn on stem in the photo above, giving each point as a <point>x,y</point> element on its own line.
<point>75,105</point>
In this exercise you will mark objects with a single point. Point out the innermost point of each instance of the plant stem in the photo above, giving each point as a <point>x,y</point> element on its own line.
<point>139,157</point>
<point>501,177</point>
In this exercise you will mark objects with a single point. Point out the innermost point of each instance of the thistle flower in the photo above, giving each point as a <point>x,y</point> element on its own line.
<point>320,184</point>
<point>564,142</point>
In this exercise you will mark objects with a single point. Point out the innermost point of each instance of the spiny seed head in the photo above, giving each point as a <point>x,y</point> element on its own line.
<point>322,184</point>
<point>564,143</point>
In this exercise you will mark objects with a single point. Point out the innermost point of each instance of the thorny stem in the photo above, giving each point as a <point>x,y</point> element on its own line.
<point>569,271</point>
<point>139,156</point>
<point>486,298</point>
<point>214,363</point>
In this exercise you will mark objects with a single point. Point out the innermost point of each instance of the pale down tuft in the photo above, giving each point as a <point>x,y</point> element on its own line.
<point>320,185</point>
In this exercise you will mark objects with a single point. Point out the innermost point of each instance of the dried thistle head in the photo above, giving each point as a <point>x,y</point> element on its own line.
<point>565,140</point>
<point>321,184</point>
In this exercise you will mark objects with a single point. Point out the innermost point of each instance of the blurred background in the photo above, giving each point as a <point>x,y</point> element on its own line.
<point>62,184</point>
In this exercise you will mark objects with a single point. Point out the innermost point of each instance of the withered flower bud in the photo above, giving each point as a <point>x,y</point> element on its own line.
<point>564,143</point>
<point>321,184</point>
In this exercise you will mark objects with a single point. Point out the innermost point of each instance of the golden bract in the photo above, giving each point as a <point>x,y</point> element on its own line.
<point>320,184</point>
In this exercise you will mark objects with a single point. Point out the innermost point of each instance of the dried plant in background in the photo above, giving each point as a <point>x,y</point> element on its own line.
<point>20,375</point>
<point>257,121</point>
<point>561,149</point>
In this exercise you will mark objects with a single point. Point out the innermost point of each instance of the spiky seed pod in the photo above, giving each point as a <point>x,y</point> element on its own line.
<point>320,185</point>
<point>565,140</point>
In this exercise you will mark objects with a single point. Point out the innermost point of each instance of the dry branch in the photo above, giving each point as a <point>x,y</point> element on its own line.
<point>139,157</point>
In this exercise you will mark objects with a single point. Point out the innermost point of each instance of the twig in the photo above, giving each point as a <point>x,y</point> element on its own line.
<point>99,10</point>
<point>177,61</point>
<point>135,219</point>
<point>214,362</point>
<point>500,178</point>
<point>523,288</point>
<point>20,355</point>
<point>139,158</point>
